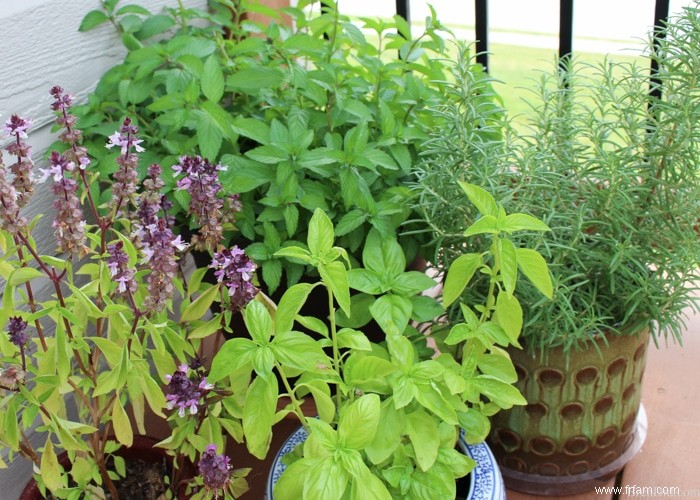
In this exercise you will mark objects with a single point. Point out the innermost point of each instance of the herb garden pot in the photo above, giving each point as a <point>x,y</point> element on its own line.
<point>142,450</point>
<point>485,481</point>
<point>583,421</point>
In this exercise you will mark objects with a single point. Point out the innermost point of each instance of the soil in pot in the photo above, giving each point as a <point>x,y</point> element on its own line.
<point>146,470</point>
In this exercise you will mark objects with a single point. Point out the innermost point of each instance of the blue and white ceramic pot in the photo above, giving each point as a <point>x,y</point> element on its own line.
<point>485,481</point>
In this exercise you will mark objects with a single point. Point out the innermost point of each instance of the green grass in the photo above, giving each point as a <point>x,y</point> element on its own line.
<point>518,67</point>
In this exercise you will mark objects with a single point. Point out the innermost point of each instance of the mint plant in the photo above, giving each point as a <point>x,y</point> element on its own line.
<point>121,330</point>
<point>388,418</point>
<point>321,115</point>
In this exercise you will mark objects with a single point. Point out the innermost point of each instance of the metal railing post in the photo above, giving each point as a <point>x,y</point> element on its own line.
<point>482,32</point>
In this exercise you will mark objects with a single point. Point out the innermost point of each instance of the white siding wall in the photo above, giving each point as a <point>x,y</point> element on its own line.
<point>41,47</point>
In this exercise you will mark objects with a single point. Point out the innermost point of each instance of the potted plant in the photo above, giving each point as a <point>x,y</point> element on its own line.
<point>315,115</point>
<point>612,168</point>
<point>388,418</point>
<point>120,331</point>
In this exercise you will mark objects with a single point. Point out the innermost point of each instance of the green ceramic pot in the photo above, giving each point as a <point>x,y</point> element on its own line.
<point>583,420</point>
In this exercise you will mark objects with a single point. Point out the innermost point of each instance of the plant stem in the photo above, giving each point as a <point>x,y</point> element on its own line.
<point>295,402</point>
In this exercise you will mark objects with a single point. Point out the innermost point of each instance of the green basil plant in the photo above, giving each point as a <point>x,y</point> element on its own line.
<point>388,413</point>
<point>327,114</point>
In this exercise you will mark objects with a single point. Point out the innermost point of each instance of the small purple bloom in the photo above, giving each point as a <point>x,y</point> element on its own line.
<point>201,181</point>
<point>17,127</point>
<point>123,139</point>
<point>118,264</point>
<point>235,270</point>
<point>69,221</point>
<point>61,101</point>
<point>215,469</point>
<point>158,244</point>
<point>185,394</point>
<point>17,329</point>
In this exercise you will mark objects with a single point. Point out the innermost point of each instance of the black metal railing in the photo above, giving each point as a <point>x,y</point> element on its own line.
<point>566,28</point>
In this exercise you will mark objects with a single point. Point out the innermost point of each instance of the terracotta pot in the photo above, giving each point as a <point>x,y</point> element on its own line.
<point>583,421</point>
<point>142,449</point>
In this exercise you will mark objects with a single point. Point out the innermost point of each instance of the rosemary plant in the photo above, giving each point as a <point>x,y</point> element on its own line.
<point>611,167</point>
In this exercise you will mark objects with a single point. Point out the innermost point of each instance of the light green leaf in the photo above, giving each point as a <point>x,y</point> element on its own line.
<point>423,432</point>
<point>50,469</point>
<point>359,421</point>
<point>335,276</point>
<point>497,364</point>
<point>199,307</point>
<point>259,414</point>
<point>121,424</point>
<point>476,425</point>
<point>206,329</point>
<point>289,306</point>
<point>458,276</point>
<point>480,198</point>
<point>500,393</point>
<point>383,256</point>
<point>412,282</point>
<point>509,315</point>
<point>392,312</point>
<point>320,238</point>
<point>294,253</point>
<point>533,265</point>
<point>290,485</point>
<point>24,274</point>
<point>367,281</point>
<point>486,224</point>
<point>258,321</point>
<point>353,339</point>
<point>524,222</point>
<point>233,355</point>
<point>508,266</point>
<point>392,425</point>
<point>326,479</point>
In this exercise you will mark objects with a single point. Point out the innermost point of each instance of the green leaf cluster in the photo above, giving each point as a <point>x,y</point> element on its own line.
<point>611,168</point>
<point>389,412</point>
<point>330,114</point>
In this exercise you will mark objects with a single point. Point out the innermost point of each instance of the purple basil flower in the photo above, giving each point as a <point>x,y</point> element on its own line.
<point>69,221</point>
<point>22,168</point>
<point>201,181</point>
<point>185,394</point>
<point>125,138</point>
<point>150,202</point>
<point>118,264</point>
<point>11,376</point>
<point>71,135</point>
<point>10,219</point>
<point>17,329</point>
<point>158,245</point>
<point>17,127</point>
<point>215,470</point>
<point>126,177</point>
<point>235,270</point>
